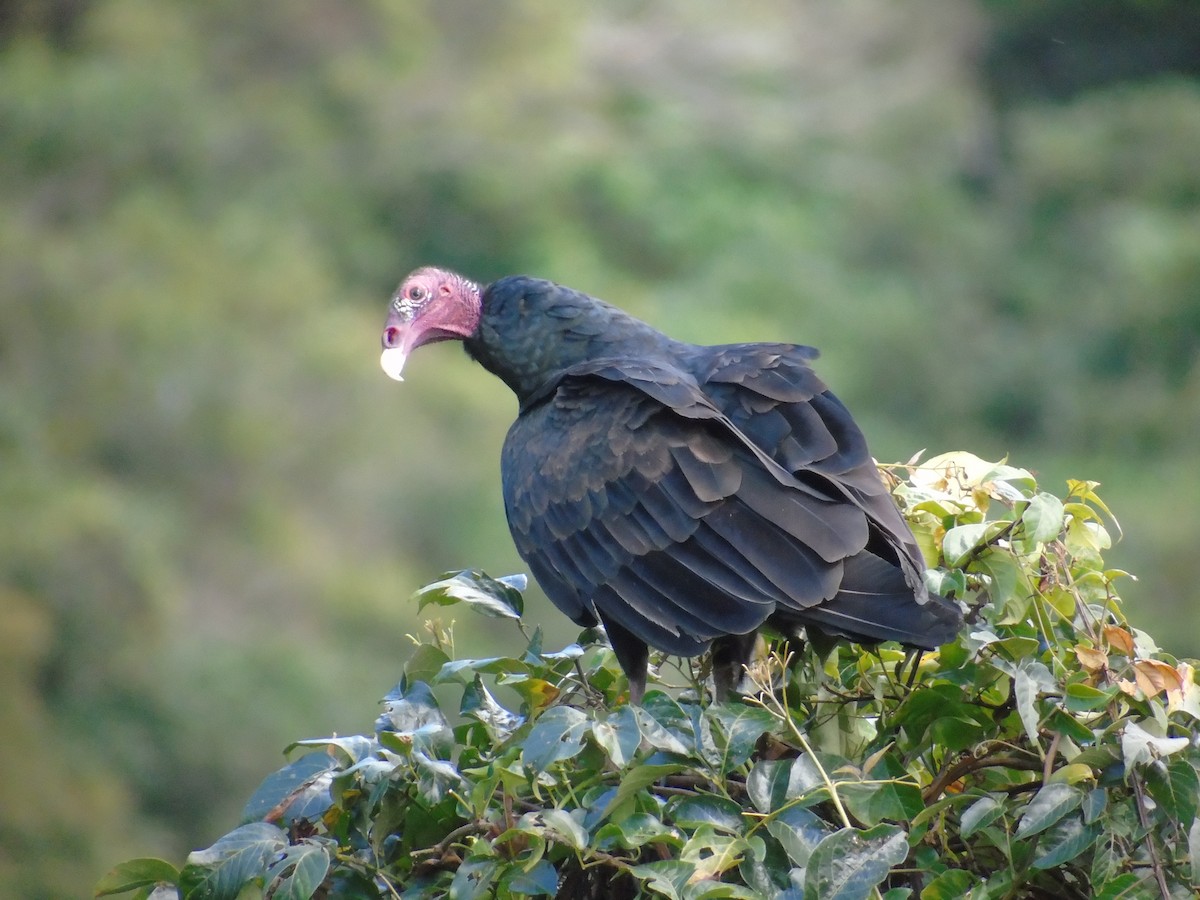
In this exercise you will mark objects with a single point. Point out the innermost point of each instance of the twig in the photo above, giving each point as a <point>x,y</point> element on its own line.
<point>1155,863</point>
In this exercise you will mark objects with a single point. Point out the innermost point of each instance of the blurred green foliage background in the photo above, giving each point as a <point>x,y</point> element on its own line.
<point>213,505</point>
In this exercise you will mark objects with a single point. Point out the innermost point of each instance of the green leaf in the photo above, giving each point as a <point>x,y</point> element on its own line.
<point>474,878</point>
<point>353,748</point>
<point>721,813</point>
<point>635,781</point>
<point>711,854</point>
<point>556,735</point>
<point>540,880</point>
<point>668,877</point>
<point>874,801</point>
<point>1193,840</point>
<point>634,831</point>
<point>134,874</point>
<point>742,726</point>
<point>848,864</point>
<point>1048,806</point>
<point>411,714</point>
<point>479,704</point>
<point>1174,787</point>
<point>953,884</point>
<point>426,661</point>
<point>659,736</point>
<point>1085,698</point>
<point>299,790</point>
<point>1065,841</point>
<point>774,783</point>
<point>980,814</point>
<point>222,870</point>
<point>961,541</point>
<point>799,831</point>
<point>1031,677</point>
<point>299,870</point>
<point>491,596</point>
<point>1043,518</point>
<point>557,824</point>
<point>619,736</point>
<point>1127,887</point>
<point>1005,572</point>
<point>1094,805</point>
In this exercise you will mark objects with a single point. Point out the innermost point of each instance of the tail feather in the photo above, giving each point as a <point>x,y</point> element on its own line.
<point>875,603</point>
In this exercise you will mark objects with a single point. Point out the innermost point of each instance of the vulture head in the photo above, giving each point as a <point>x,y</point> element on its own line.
<point>430,305</point>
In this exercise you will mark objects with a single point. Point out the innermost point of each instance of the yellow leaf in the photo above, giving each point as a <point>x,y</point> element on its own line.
<point>1119,639</point>
<point>1092,660</point>
<point>1128,687</point>
<point>1073,773</point>
<point>1155,677</point>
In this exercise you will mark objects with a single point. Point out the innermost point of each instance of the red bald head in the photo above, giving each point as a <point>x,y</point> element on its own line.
<point>430,305</point>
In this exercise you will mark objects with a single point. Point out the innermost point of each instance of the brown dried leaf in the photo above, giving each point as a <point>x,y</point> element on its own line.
<point>1091,659</point>
<point>1155,677</point>
<point>1128,687</point>
<point>1119,639</point>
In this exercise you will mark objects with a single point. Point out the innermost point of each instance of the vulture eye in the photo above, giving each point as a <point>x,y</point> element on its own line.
<point>417,293</point>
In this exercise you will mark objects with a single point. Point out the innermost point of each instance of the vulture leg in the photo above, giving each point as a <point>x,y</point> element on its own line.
<point>729,658</point>
<point>632,654</point>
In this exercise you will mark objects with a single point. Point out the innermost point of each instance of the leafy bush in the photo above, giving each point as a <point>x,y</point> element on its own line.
<point>1050,750</point>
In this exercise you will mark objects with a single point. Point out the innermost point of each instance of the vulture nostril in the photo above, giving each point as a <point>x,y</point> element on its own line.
<point>391,337</point>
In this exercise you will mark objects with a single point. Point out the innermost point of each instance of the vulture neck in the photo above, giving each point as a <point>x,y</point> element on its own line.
<point>530,330</point>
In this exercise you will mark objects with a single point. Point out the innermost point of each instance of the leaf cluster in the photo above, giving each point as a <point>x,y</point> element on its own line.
<point>1050,749</point>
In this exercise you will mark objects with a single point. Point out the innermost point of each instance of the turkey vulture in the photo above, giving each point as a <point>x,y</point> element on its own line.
<point>681,495</point>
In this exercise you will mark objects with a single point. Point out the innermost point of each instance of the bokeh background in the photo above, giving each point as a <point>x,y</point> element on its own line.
<point>214,506</point>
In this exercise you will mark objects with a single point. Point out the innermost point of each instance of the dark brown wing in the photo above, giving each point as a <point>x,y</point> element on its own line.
<point>660,519</point>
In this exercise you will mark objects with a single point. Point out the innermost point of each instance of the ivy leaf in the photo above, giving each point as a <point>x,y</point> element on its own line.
<point>980,814</point>
<point>1048,805</point>
<point>134,874</point>
<point>411,717</point>
<point>495,597</point>
<point>774,783</point>
<point>799,831</point>
<point>694,811</point>
<point>658,736</point>
<point>712,854</point>
<point>557,823</point>
<point>557,735</point>
<point>1139,746</point>
<point>474,878</point>
<point>962,540</point>
<point>298,871</point>
<point>848,864</point>
<point>636,780</point>
<point>426,661</point>
<point>1174,788</point>
<point>952,884</point>
<point>635,831</point>
<point>668,877</point>
<point>479,704</point>
<point>299,790</point>
<point>1065,841</point>
<point>619,736</point>
<point>1043,518</point>
<point>540,880</point>
<point>741,726</point>
<point>220,871</point>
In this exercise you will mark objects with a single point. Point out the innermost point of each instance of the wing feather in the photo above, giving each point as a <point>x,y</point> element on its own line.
<point>679,508</point>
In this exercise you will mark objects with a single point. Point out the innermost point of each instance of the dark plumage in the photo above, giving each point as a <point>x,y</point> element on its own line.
<point>681,495</point>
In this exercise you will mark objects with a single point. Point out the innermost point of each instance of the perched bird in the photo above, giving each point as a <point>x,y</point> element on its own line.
<point>681,495</point>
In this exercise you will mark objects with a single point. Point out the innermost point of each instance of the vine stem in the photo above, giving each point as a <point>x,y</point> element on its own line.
<point>1155,863</point>
<point>781,709</point>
